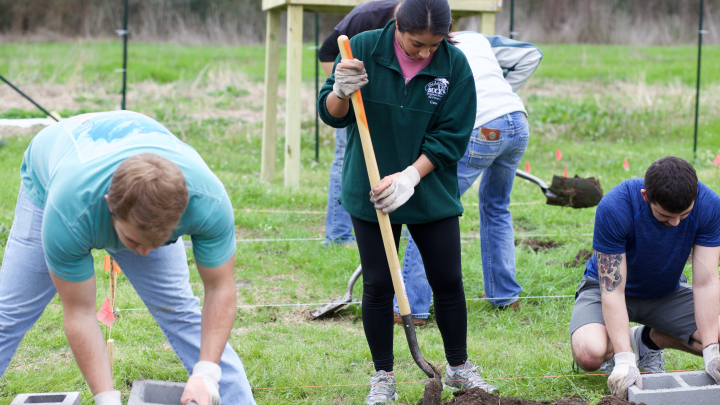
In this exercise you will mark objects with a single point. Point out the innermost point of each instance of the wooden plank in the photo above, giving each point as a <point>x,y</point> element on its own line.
<point>293,102</point>
<point>111,355</point>
<point>270,102</point>
<point>323,6</point>
<point>487,23</point>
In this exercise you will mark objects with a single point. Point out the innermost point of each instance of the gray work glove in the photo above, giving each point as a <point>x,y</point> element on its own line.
<point>350,76</point>
<point>108,398</point>
<point>711,358</point>
<point>394,190</point>
<point>624,375</point>
<point>202,386</point>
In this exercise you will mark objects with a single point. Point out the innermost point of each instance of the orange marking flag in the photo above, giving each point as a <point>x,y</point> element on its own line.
<point>626,166</point>
<point>116,267</point>
<point>558,154</point>
<point>106,266</point>
<point>105,314</point>
<point>717,160</point>
<point>565,172</point>
<point>527,166</point>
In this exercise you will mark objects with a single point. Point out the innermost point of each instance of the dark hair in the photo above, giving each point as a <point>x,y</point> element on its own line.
<point>417,16</point>
<point>671,183</point>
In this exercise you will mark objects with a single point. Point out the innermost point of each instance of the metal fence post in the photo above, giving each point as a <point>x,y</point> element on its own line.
<point>697,87</point>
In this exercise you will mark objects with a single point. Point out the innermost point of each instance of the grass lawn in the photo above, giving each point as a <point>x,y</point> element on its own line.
<point>598,104</point>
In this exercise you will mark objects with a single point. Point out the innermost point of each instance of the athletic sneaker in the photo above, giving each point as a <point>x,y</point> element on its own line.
<point>382,389</point>
<point>646,358</point>
<point>468,377</point>
<point>608,365</point>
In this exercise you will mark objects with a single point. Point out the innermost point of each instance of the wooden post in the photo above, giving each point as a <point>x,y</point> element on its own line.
<point>111,355</point>
<point>272,50</point>
<point>487,23</point>
<point>292,102</point>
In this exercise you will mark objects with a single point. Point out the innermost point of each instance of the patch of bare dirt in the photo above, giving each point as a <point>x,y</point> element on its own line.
<point>476,396</point>
<point>537,244</point>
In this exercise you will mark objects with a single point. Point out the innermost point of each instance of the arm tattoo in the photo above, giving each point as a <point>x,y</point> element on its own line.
<point>609,271</point>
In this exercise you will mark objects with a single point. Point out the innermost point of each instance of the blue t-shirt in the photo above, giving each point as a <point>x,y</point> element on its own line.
<point>656,254</point>
<point>67,170</point>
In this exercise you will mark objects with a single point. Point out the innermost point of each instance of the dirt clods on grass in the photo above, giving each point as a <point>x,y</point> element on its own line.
<point>476,396</point>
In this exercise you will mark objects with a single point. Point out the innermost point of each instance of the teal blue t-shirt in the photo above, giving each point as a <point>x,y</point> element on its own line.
<point>67,171</point>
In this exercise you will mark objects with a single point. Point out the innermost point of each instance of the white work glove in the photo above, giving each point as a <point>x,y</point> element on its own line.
<point>350,76</point>
<point>394,190</point>
<point>108,398</point>
<point>711,357</point>
<point>202,386</point>
<point>624,375</point>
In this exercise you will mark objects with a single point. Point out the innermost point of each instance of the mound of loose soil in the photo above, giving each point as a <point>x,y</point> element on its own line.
<point>476,396</point>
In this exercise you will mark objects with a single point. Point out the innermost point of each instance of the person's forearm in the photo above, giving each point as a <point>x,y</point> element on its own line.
<point>218,315</point>
<point>336,107</point>
<point>706,299</point>
<point>423,165</point>
<point>614,312</point>
<point>86,341</point>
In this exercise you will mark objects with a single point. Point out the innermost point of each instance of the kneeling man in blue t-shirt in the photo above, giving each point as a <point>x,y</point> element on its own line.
<point>645,229</point>
<point>122,182</point>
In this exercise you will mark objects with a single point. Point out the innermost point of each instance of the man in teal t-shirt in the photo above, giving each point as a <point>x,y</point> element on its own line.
<point>122,182</point>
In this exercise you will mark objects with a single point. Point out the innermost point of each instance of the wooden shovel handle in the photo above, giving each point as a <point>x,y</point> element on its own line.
<point>374,175</point>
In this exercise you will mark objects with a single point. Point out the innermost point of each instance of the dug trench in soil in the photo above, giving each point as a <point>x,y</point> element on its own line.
<point>476,396</point>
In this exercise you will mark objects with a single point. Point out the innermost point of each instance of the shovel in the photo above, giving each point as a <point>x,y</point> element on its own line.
<point>574,192</point>
<point>338,302</point>
<point>433,386</point>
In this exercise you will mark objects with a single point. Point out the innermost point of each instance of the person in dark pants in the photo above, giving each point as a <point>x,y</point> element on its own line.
<point>365,17</point>
<point>420,100</point>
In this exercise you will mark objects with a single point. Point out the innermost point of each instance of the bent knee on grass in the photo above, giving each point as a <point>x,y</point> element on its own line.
<point>590,346</point>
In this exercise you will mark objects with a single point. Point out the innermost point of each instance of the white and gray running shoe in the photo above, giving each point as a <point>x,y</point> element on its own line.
<point>382,389</point>
<point>608,365</point>
<point>646,358</point>
<point>468,377</point>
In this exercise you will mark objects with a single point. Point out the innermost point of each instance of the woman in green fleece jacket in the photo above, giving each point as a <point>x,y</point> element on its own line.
<point>420,101</point>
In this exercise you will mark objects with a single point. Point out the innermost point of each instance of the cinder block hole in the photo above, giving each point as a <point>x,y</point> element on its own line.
<point>45,399</point>
<point>698,380</point>
<point>162,394</point>
<point>659,383</point>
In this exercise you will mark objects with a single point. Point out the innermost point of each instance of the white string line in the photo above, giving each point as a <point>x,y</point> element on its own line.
<point>188,244</point>
<point>280,211</point>
<point>309,304</point>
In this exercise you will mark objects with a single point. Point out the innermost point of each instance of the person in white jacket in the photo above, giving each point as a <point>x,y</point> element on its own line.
<point>501,66</point>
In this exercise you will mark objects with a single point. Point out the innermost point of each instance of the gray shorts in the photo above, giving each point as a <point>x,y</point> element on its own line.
<point>673,314</point>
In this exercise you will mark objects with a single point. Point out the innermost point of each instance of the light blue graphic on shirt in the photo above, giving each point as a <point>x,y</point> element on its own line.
<point>97,135</point>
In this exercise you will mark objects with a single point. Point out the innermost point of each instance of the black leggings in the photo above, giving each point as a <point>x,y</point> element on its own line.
<point>439,246</point>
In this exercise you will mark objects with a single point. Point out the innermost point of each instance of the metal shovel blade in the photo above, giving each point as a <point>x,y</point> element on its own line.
<point>576,192</point>
<point>338,302</point>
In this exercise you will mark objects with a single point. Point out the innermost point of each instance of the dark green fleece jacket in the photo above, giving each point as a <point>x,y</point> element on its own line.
<point>432,115</point>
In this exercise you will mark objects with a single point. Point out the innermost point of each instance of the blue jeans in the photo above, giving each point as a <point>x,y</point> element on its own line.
<point>338,226</point>
<point>498,160</point>
<point>161,279</point>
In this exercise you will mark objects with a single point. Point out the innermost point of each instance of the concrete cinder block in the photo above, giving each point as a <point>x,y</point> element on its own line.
<point>55,398</point>
<point>145,392</point>
<point>688,387</point>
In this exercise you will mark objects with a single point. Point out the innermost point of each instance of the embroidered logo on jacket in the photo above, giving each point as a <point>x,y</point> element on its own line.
<point>436,89</point>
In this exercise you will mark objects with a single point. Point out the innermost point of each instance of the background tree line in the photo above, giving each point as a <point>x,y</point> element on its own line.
<point>638,22</point>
